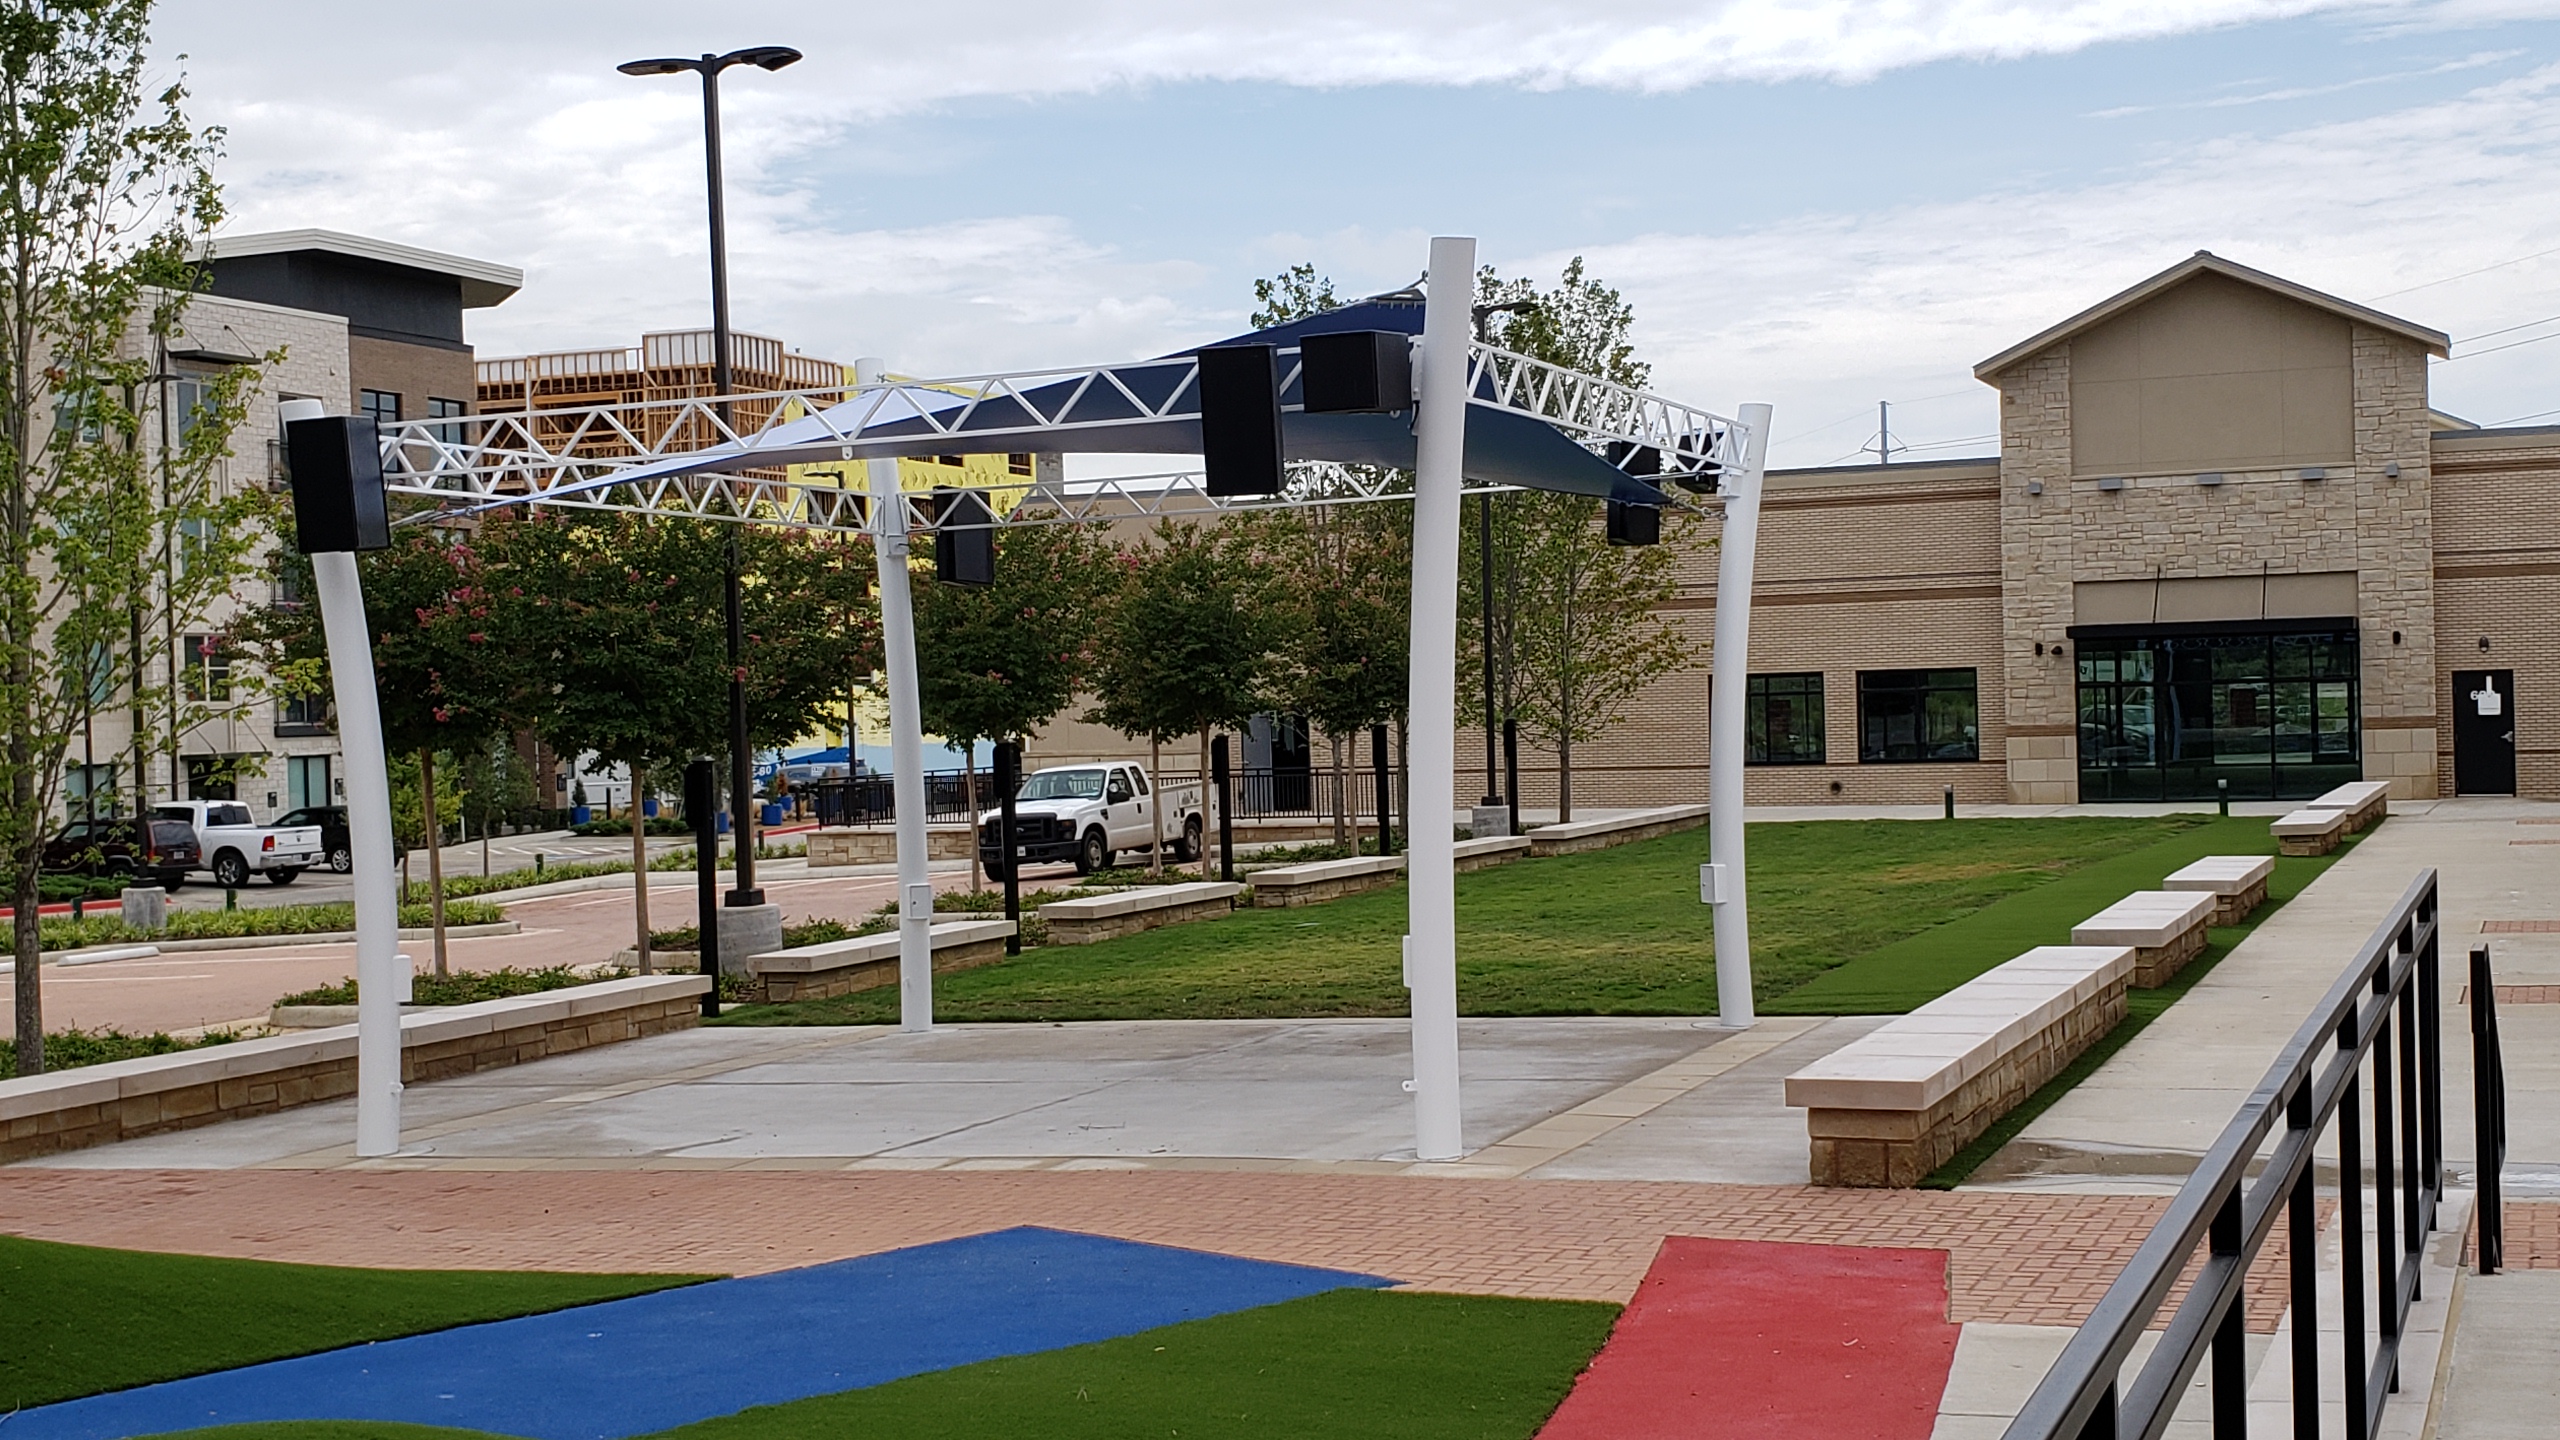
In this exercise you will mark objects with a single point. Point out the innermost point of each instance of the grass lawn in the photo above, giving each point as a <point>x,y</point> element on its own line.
<point>1615,931</point>
<point>84,1320</point>
<point>1892,978</point>
<point>1347,1364</point>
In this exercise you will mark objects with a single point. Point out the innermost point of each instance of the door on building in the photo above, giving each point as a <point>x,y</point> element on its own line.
<point>306,780</point>
<point>2484,732</point>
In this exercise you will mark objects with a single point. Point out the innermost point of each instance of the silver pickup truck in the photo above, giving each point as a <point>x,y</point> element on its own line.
<point>234,847</point>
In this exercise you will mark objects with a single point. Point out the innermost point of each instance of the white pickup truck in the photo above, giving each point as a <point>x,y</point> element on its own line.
<point>1088,813</point>
<point>234,847</point>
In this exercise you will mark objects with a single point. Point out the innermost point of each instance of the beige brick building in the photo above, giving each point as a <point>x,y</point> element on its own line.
<point>2226,545</point>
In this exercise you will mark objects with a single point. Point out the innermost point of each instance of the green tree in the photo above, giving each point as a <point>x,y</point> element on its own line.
<point>1576,631</point>
<point>1188,643</point>
<point>624,618</point>
<point>105,190</point>
<point>496,784</point>
<point>996,662</point>
<point>1345,623</point>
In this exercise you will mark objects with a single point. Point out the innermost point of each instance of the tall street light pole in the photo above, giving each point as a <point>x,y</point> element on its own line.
<point>741,758</point>
<point>1484,569</point>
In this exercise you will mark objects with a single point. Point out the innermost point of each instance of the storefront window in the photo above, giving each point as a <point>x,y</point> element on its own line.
<point>2194,716</point>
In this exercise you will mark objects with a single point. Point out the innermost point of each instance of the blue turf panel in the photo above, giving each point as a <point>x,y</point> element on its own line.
<point>629,1367</point>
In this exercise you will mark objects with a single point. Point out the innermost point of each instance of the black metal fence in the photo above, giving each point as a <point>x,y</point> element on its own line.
<point>2373,1045</point>
<point>1266,793</point>
<point>866,799</point>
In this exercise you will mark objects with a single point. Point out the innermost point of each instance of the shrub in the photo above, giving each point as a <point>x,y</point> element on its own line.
<point>465,987</point>
<point>66,1049</point>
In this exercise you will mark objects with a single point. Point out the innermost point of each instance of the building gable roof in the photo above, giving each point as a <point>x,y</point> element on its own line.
<point>2203,262</point>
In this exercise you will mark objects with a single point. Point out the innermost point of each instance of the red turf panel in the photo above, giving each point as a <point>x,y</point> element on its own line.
<point>1744,1339</point>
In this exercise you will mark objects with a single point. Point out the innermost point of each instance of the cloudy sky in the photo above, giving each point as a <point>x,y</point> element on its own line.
<point>1817,203</point>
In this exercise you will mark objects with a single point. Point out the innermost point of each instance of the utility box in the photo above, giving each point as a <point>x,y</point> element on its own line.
<point>1711,884</point>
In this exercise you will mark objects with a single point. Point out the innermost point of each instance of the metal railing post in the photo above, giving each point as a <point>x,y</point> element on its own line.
<point>2302,1262</point>
<point>2489,1114</point>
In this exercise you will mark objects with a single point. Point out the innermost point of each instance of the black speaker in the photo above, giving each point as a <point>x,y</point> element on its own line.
<point>1635,459</point>
<point>1634,524</point>
<point>964,538</point>
<point>338,503</point>
<point>1356,372</point>
<point>1240,419</point>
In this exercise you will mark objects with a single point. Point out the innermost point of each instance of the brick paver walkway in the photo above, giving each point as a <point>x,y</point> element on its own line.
<point>2020,1258</point>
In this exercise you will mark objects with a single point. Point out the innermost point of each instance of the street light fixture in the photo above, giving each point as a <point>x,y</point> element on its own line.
<point>741,759</point>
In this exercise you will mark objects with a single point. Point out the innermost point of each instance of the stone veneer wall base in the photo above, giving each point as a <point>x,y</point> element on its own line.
<point>775,989</point>
<point>1897,1149</point>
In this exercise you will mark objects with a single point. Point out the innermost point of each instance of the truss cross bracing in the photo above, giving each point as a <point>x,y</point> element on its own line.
<point>788,457</point>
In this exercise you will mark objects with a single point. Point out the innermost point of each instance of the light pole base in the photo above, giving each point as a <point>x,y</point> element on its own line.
<point>747,931</point>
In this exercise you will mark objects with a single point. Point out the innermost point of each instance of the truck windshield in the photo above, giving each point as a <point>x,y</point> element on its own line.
<point>1063,785</point>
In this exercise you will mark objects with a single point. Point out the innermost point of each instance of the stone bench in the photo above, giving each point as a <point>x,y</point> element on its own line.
<point>878,844</point>
<point>1895,1104</point>
<point>868,962</point>
<point>2311,832</point>
<point>1317,881</point>
<point>2164,928</point>
<point>1625,829</point>
<point>95,1104</point>
<point>1140,907</point>
<point>2238,883</point>
<point>1485,853</point>
<point>2365,801</point>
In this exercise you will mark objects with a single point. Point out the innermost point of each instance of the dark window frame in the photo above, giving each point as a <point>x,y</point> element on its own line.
<point>1792,686</point>
<point>1940,702</point>
<point>371,403</point>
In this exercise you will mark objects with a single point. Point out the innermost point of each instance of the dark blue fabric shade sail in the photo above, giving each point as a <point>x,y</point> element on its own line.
<point>1152,407</point>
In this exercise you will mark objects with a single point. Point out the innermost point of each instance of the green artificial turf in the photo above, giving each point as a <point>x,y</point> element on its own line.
<point>2141,1007</point>
<point>82,1320</point>
<point>1346,1364</point>
<point>1892,978</point>
<point>1616,931</point>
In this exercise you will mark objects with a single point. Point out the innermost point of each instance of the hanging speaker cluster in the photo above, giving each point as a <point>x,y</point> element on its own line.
<point>964,538</point>
<point>338,499</point>
<point>1356,372</point>
<point>1240,419</point>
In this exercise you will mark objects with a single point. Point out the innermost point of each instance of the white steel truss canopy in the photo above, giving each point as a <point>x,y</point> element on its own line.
<point>1529,425</point>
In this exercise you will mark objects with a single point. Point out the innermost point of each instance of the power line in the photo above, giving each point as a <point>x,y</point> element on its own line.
<point>2520,419</point>
<point>2467,274</point>
<point>2510,345</point>
<point>2509,330</point>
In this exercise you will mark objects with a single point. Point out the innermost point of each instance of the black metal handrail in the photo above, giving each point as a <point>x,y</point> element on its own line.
<point>2384,1010</point>
<point>2489,1114</point>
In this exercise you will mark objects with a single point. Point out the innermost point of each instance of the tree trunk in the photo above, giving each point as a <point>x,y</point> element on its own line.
<point>1403,777</point>
<point>640,874</point>
<point>1341,789</point>
<point>1155,777</point>
<point>435,851</point>
<point>29,950</point>
<point>1205,801</point>
<point>969,782</point>
<point>1564,779</point>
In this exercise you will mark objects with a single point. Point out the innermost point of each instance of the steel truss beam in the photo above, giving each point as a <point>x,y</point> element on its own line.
<point>568,456</point>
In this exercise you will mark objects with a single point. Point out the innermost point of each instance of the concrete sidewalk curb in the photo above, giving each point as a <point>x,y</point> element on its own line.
<point>92,954</point>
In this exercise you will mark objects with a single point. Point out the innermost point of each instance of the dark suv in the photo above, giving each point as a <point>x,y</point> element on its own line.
<point>335,851</point>
<point>164,852</point>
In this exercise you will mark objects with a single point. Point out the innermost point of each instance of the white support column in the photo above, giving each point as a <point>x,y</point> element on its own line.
<point>1431,944</point>
<point>1725,722</point>
<point>906,734</point>
<point>380,983</point>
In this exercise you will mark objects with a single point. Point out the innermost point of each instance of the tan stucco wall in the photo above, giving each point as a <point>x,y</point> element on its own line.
<point>2211,374</point>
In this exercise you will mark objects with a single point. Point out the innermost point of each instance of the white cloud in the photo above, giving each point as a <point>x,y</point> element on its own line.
<point>501,131</point>
<point>1825,314</point>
